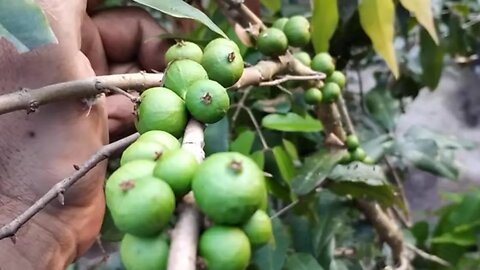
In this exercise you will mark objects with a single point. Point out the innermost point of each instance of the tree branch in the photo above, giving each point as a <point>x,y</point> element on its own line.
<point>10,229</point>
<point>292,78</point>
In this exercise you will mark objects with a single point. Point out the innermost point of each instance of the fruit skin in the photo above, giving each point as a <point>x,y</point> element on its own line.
<point>223,63</point>
<point>142,207</point>
<point>225,248</point>
<point>259,229</point>
<point>180,74</point>
<point>323,62</point>
<point>346,158</point>
<point>280,23</point>
<point>143,150</point>
<point>313,96</point>
<point>177,168</point>
<point>352,142</point>
<point>139,253</point>
<point>161,137</point>
<point>338,78</point>
<point>359,154</point>
<point>207,101</point>
<point>297,30</point>
<point>272,42</point>
<point>331,92</point>
<point>368,160</point>
<point>229,187</point>
<point>184,50</point>
<point>303,57</point>
<point>161,109</point>
<point>132,170</point>
<point>222,42</point>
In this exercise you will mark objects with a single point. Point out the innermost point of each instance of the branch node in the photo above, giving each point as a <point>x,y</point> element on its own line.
<point>13,238</point>
<point>76,167</point>
<point>32,106</point>
<point>61,196</point>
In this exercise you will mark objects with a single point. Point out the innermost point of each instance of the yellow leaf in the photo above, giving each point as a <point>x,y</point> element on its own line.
<point>422,9</point>
<point>377,18</point>
<point>324,22</point>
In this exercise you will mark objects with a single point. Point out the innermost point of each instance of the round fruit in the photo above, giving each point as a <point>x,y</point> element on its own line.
<point>272,42</point>
<point>161,109</point>
<point>160,137</point>
<point>338,78</point>
<point>229,187</point>
<point>139,253</point>
<point>368,160</point>
<point>323,62</point>
<point>177,168</point>
<point>313,96</point>
<point>346,158</point>
<point>331,92</point>
<point>359,154</point>
<point>223,63</point>
<point>182,73</point>
<point>303,57</point>
<point>184,50</point>
<point>132,170</point>
<point>225,248</point>
<point>352,142</point>
<point>259,229</point>
<point>142,206</point>
<point>207,101</point>
<point>143,150</point>
<point>222,42</point>
<point>264,203</point>
<point>297,30</point>
<point>280,23</point>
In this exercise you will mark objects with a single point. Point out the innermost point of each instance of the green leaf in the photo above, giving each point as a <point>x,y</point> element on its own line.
<point>259,158</point>
<point>216,137</point>
<point>23,23</point>
<point>281,104</point>
<point>431,59</point>
<point>315,170</point>
<point>244,142</point>
<point>291,150</point>
<point>284,163</point>
<point>302,261</point>
<point>272,256</point>
<point>299,227</point>
<point>377,147</point>
<point>273,5</point>
<point>180,9</point>
<point>291,122</point>
<point>465,239</point>
<point>377,18</point>
<point>323,22</point>
<point>422,10</point>
<point>383,107</point>
<point>442,140</point>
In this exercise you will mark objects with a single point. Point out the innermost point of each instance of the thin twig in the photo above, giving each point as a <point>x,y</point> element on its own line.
<point>427,256</point>
<point>240,103</point>
<point>292,78</point>
<point>399,183</point>
<point>342,108</point>
<point>285,209</point>
<point>360,88</point>
<point>122,92</point>
<point>257,127</point>
<point>10,229</point>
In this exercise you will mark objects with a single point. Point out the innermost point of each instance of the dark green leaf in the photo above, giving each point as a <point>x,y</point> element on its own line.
<point>315,170</point>
<point>272,256</point>
<point>216,137</point>
<point>301,233</point>
<point>180,9</point>
<point>431,59</point>
<point>281,104</point>
<point>284,163</point>
<point>23,23</point>
<point>302,261</point>
<point>383,107</point>
<point>442,140</point>
<point>377,147</point>
<point>291,150</point>
<point>421,232</point>
<point>346,9</point>
<point>243,143</point>
<point>259,158</point>
<point>291,122</point>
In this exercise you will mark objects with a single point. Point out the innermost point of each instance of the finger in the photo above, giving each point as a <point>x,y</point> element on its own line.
<point>129,35</point>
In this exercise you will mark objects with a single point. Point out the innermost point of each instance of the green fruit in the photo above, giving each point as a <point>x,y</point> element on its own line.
<point>280,23</point>
<point>368,160</point>
<point>359,154</point>
<point>229,187</point>
<point>223,63</point>
<point>352,142</point>
<point>303,57</point>
<point>132,170</point>
<point>109,232</point>
<point>160,137</point>
<point>222,42</point>
<point>264,203</point>
<point>346,158</point>
<point>331,92</point>
<point>139,253</point>
<point>184,50</point>
<point>313,96</point>
<point>143,150</point>
<point>259,229</point>
<point>141,206</point>
<point>177,168</point>
<point>338,78</point>
<point>180,74</point>
<point>297,30</point>
<point>161,109</point>
<point>207,101</point>
<point>323,62</point>
<point>272,42</point>
<point>225,248</point>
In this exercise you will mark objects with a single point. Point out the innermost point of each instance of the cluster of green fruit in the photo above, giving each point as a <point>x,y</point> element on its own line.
<point>355,152</point>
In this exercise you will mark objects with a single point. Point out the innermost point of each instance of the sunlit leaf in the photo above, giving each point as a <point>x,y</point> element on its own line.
<point>243,143</point>
<point>323,22</point>
<point>259,158</point>
<point>422,10</point>
<point>291,122</point>
<point>284,163</point>
<point>272,5</point>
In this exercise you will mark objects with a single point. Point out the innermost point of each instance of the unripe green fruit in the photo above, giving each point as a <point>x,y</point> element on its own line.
<point>222,42</point>
<point>346,158</point>
<point>223,63</point>
<point>180,74</point>
<point>297,30</point>
<point>359,154</point>
<point>352,142</point>
<point>184,50</point>
<point>368,160</point>
<point>144,253</point>
<point>143,150</point>
<point>280,23</point>
<point>323,62</point>
<point>272,42</point>
<point>160,137</point>
<point>338,78</point>
<point>259,229</point>
<point>331,92</point>
<point>207,101</point>
<point>313,96</point>
<point>303,57</point>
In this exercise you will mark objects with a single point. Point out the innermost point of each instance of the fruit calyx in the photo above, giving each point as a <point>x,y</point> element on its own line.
<point>126,185</point>
<point>231,57</point>
<point>236,166</point>
<point>207,99</point>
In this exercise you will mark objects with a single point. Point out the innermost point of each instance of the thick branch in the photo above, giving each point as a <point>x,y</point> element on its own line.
<point>31,99</point>
<point>59,189</point>
<point>330,117</point>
